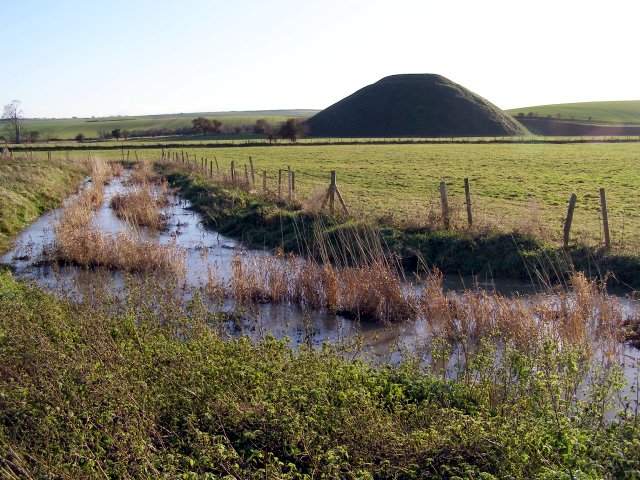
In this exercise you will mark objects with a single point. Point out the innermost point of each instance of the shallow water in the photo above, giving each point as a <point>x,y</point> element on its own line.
<point>205,249</point>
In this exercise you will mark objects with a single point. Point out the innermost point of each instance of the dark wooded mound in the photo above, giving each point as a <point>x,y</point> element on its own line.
<point>418,105</point>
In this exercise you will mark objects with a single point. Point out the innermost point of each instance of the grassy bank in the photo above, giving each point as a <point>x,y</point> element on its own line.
<point>150,388</point>
<point>31,186</point>
<point>264,221</point>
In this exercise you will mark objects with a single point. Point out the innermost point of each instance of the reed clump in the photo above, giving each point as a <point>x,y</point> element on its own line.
<point>368,292</point>
<point>78,242</point>
<point>584,313</point>
<point>142,205</point>
<point>143,174</point>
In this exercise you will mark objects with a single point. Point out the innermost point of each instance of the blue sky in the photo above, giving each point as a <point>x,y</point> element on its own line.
<point>70,58</point>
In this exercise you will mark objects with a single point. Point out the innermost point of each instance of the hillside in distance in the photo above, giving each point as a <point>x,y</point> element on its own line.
<point>68,128</point>
<point>418,105</point>
<point>624,111</point>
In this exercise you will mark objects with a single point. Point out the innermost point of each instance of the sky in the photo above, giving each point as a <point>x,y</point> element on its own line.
<point>68,58</point>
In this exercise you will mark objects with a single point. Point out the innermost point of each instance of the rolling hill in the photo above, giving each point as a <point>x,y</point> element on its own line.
<point>68,128</point>
<point>626,111</point>
<point>420,105</point>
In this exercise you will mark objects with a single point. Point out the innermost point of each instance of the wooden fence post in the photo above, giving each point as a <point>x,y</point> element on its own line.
<point>279,183</point>
<point>567,223</point>
<point>605,218</point>
<point>332,191</point>
<point>289,181</point>
<point>253,177</point>
<point>467,195</point>
<point>445,205</point>
<point>217,167</point>
<point>233,171</point>
<point>293,184</point>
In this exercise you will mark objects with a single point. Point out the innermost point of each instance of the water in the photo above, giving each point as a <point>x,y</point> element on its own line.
<point>205,248</point>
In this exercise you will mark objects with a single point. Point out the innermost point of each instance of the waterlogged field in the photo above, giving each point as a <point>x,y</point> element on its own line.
<point>513,186</point>
<point>145,376</point>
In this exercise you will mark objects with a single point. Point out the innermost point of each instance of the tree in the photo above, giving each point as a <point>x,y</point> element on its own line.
<point>292,129</point>
<point>80,137</point>
<point>204,125</point>
<point>33,136</point>
<point>216,127</point>
<point>201,125</point>
<point>116,133</point>
<point>126,134</point>
<point>261,126</point>
<point>13,115</point>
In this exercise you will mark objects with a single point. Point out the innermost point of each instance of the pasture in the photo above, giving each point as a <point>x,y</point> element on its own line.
<point>626,111</point>
<point>523,187</point>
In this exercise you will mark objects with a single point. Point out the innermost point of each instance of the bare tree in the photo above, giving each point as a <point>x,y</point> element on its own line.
<point>13,115</point>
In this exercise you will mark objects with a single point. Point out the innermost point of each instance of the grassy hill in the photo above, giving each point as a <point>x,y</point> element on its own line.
<point>68,128</point>
<point>413,105</point>
<point>627,111</point>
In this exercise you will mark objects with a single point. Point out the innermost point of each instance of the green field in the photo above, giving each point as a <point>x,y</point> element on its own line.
<point>514,186</point>
<point>68,128</point>
<point>627,111</point>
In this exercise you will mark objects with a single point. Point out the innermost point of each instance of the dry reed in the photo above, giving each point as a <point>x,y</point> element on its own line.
<point>79,243</point>
<point>142,206</point>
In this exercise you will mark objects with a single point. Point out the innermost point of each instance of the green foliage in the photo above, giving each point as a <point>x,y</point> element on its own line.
<point>29,187</point>
<point>152,388</point>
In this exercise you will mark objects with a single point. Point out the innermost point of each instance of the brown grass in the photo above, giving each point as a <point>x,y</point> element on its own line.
<point>79,243</point>
<point>142,206</point>
<point>369,292</point>
<point>143,174</point>
<point>584,313</point>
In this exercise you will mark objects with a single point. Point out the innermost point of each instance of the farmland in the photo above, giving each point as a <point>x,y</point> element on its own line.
<point>514,186</point>
<point>615,112</point>
<point>68,128</point>
<point>154,384</point>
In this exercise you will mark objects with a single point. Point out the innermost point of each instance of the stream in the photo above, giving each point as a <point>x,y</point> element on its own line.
<point>205,248</point>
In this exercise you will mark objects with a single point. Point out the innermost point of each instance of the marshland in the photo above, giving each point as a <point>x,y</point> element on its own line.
<point>137,337</point>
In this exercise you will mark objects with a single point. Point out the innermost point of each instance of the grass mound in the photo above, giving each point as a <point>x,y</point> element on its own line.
<point>420,105</point>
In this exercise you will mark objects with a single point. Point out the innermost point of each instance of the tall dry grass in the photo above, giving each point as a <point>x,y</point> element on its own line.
<point>80,243</point>
<point>142,205</point>
<point>368,292</point>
